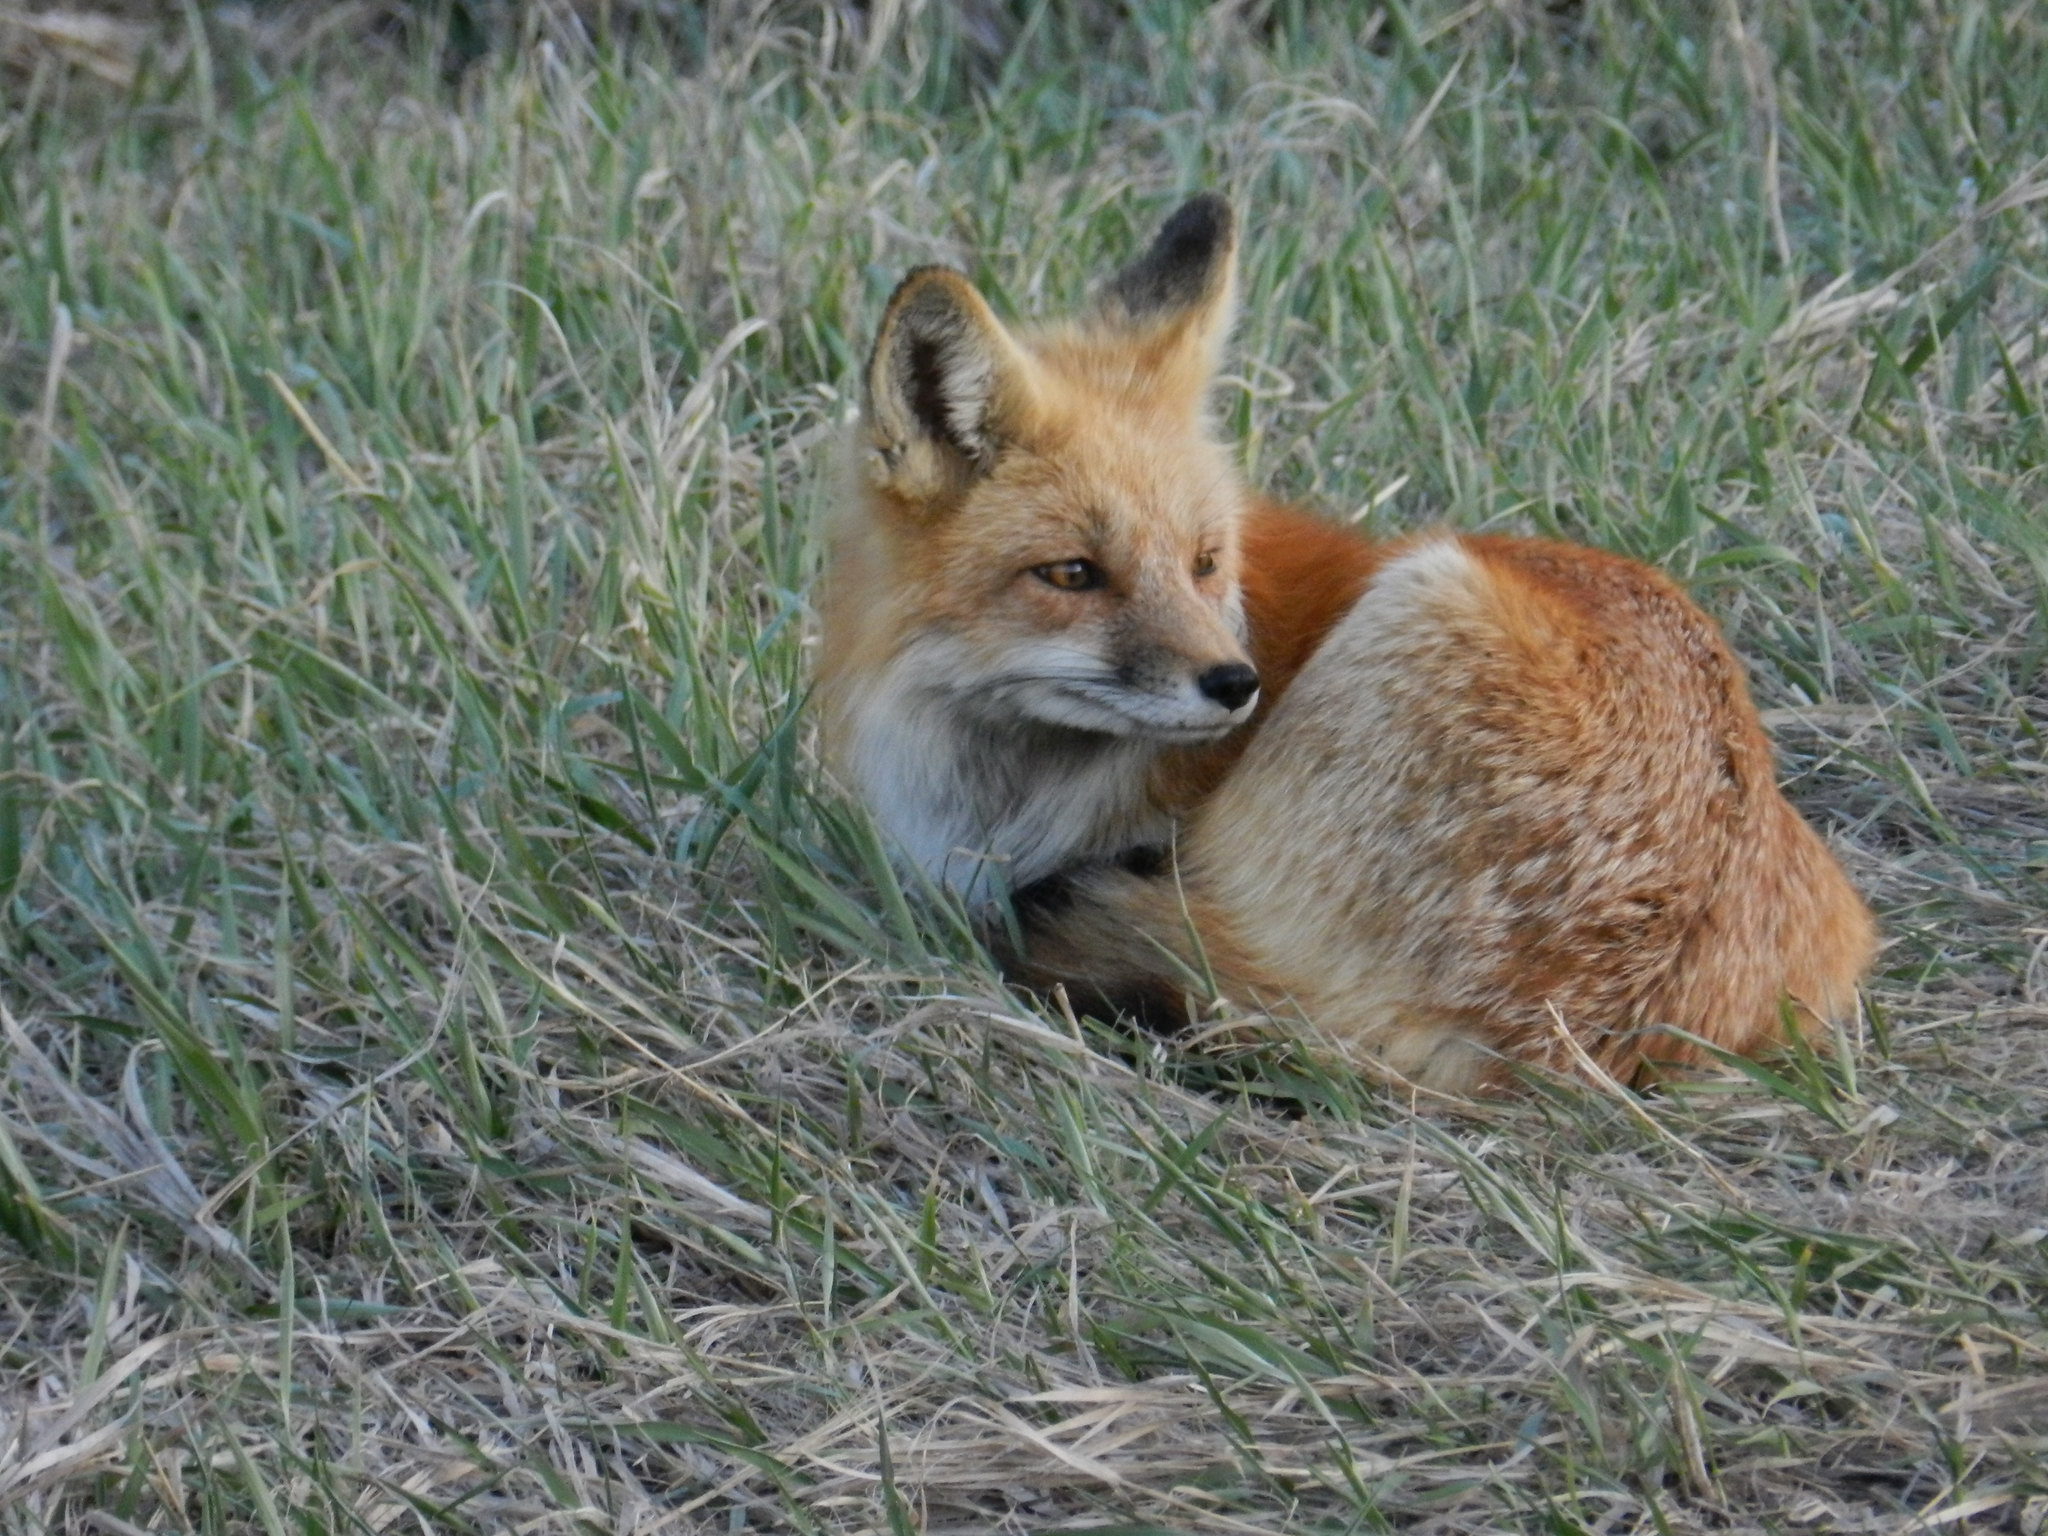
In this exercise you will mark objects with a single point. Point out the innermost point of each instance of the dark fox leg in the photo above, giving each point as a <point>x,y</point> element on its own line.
<point>1124,937</point>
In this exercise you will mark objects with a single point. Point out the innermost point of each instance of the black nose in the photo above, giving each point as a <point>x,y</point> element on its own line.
<point>1231,685</point>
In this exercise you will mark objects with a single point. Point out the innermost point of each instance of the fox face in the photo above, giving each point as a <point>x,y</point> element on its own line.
<point>1091,588</point>
<point>1037,559</point>
<point>1054,509</point>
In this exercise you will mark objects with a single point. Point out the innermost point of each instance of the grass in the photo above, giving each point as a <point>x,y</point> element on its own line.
<point>464,1070</point>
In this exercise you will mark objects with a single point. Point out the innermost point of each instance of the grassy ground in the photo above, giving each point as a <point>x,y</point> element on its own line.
<point>464,1071</point>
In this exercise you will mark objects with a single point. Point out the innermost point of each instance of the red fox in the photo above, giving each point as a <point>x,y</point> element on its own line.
<point>1451,803</point>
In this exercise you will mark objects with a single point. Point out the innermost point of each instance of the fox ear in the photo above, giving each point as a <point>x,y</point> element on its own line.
<point>1183,291</point>
<point>946,387</point>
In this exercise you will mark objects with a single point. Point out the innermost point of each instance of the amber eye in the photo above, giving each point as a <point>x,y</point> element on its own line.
<point>1205,564</point>
<point>1071,575</point>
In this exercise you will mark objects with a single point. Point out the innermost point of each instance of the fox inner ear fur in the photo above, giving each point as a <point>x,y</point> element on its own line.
<point>946,385</point>
<point>1181,295</point>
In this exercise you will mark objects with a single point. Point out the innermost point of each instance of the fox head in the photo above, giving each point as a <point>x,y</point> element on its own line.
<point>1047,521</point>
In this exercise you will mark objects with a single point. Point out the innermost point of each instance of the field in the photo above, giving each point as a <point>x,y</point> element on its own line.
<point>464,1068</point>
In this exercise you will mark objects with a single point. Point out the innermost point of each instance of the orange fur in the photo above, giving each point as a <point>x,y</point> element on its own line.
<point>1499,800</point>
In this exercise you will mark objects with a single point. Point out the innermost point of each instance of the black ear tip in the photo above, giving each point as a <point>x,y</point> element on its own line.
<point>925,289</point>
<point>1182,267</point>
<point>1203,222</point>
<point>927,301</point>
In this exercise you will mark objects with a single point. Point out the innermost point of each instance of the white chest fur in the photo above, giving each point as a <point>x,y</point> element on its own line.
<point>981,803</point>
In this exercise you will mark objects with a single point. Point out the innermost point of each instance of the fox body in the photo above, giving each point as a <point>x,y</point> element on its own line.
<point>1447,803</point>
